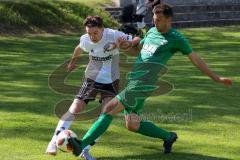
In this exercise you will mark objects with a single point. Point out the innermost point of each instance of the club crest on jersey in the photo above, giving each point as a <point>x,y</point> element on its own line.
<point>109,47</point>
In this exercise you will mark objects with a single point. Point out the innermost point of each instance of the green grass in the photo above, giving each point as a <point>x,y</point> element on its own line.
<point>203,113</point>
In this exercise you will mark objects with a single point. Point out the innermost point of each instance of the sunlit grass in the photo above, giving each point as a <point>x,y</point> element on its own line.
<point>204,114</point>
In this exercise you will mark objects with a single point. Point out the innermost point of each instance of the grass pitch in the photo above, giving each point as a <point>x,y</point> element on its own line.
<point>204,114</point>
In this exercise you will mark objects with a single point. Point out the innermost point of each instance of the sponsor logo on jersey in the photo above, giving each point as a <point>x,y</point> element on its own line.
<point>102,58</point>
<point>150,49</point>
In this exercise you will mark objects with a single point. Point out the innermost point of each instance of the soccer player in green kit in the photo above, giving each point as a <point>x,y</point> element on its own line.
<point>158,46</point>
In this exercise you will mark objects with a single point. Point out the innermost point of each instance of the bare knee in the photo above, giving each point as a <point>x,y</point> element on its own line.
<point>112,107</point>
<point>77,106</point>
<point>132,122</point>
<point>133,127</point>
<point>106,100</point>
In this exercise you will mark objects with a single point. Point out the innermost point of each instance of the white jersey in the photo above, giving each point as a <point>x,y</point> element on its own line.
<point>103,66</point>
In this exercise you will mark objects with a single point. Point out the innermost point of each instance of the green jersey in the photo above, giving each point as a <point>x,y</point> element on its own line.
<point>150,66</point>
<point>160,47</point>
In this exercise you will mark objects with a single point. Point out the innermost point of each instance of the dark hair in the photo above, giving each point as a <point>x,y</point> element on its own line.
<point>165,9</point>
<point>153,3</point>
<point>93,21</point>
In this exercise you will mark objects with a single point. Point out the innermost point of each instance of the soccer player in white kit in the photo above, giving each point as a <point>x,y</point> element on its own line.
<point>101,74</point>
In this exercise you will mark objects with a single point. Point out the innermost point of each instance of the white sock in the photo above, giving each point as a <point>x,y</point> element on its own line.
<point>87,148</point>
<point>63,124</point>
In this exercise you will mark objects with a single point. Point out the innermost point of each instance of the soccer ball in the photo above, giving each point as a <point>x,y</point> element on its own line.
<point>62,142</point>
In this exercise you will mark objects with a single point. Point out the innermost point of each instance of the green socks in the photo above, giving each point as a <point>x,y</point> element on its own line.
<point>101,125</point>
<point>151,130</point>
<point>97,129</point>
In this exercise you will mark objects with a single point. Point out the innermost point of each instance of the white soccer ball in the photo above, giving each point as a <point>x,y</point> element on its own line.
<point>62,142</point>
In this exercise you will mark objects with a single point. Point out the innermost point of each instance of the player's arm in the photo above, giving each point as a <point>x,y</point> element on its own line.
<point>132,47</point>
<point>72,64</point>
<point>201,65</point>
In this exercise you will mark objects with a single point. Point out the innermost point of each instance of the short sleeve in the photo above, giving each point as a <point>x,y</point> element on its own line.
<point>121,34</point>
<point>184,46</point>
<point>82,44</point>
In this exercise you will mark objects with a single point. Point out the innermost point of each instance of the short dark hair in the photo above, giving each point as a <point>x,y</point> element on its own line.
<point>93,21</point>
<point>165,9</point>
<point>153,3</point>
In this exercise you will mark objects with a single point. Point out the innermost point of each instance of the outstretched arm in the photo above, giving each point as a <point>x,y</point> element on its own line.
<point>72,64</point>
<point>201,65</point>
<point>132,47</point>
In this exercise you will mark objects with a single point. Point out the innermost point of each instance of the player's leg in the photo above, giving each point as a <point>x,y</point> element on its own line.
<point>135,124</point>
<point>133,99</point>
<point>85,153</point>
<point>103,122</point>
<point>99,127</point>
<point>86,93</point>
<point>147,128</point>
<point>108,92</point>
<point>64,123</point>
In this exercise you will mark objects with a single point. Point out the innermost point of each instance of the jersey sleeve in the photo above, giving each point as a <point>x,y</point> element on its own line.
<point>82,44</point>
<point>119,34</point>
<point>184,46</point>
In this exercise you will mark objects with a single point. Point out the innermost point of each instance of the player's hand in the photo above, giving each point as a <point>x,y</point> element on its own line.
<point>225,81</point>
<point>71,66</point>
<point>123,43</point>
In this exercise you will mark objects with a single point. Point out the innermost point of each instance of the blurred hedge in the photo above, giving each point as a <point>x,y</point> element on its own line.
<point>50,16</point>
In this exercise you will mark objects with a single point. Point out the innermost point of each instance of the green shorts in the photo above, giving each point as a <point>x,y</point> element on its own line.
<point>141,84</point>
<point>132,99</point>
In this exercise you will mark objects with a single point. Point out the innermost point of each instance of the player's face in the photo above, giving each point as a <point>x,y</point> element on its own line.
<point>160,20</point>
<point>95,33</point>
